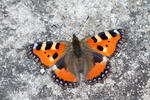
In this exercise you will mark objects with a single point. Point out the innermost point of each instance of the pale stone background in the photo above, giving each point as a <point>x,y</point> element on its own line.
<point>23,22</point>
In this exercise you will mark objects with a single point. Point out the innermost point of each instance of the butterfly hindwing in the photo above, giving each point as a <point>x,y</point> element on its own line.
<point>62,76</point>
<point>46,53</point>
<point>99,69</point>
<point>107,43</point>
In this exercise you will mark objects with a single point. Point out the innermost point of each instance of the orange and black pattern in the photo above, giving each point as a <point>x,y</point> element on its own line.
<point>101,47</point>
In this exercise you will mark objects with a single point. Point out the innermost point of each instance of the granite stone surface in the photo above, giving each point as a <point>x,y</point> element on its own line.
<point>23,22</point>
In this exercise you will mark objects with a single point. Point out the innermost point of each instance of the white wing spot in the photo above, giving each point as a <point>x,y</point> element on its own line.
<point>116,31</point>
<point>35,45</point>
<point>54,46</point>
<point>43,46</point>
<point>105,50</point>
<point>51,59</point>
<point>105,58</point>
<point>108,35</point>
<point>55,67</point>
<point>98,38</point>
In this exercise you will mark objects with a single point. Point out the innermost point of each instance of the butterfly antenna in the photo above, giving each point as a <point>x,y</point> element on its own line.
<point>83,25</point>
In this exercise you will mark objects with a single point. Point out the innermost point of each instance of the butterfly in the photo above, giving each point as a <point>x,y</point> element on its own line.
<point>89,56</point>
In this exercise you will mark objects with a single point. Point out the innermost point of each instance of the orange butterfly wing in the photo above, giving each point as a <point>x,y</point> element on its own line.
<point>51,53</point>
<point>106,43</point>
<point>62,76</point>
<point>46,53</point>
<point>101,67</point>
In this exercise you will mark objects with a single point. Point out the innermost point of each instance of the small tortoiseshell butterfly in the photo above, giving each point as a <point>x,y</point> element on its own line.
<point>89,56</point>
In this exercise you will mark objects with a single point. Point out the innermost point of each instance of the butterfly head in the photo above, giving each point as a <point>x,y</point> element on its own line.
<point>76,46</point>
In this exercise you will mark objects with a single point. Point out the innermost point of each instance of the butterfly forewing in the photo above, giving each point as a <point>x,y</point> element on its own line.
<point>106,43</point>
<point>47,53</point>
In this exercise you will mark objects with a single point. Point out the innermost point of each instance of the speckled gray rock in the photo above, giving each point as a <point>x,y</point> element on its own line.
<point>23,22</point>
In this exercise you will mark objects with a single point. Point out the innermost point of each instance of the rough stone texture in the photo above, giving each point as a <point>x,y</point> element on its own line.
<point>23,22</point>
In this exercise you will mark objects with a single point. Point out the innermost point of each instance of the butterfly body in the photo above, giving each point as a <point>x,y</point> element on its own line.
<point>89,56</point>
